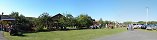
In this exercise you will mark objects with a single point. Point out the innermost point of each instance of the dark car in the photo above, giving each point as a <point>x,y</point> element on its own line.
<point>143,26</point>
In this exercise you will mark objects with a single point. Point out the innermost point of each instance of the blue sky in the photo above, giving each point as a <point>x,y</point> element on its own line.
<point>114,10</point>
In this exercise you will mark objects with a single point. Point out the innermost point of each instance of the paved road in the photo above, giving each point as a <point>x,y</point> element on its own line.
<point>1,36</point>
<point>132,35</point>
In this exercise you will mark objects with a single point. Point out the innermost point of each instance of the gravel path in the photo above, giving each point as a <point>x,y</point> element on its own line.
<point>1,36</point>
<point>132,35</point>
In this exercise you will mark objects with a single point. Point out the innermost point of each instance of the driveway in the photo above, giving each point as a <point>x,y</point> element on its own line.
<point>1,36</point>
<point>132,35</point>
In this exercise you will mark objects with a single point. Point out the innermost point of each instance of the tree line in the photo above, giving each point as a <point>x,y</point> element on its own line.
<point>45,22</point>
<point>140,22</point>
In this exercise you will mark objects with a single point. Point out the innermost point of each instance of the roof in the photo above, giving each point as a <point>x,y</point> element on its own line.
<point>57,16</point>
<point>6,17</point>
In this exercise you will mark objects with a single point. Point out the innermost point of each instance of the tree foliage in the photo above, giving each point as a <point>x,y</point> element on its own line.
<point>141,22</point>
<point>102,23</point>
<point>43,21</point>
<point>21,22</point>
<point>84,21</point>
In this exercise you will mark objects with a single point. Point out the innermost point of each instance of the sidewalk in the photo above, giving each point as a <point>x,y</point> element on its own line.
<point>1,36</point>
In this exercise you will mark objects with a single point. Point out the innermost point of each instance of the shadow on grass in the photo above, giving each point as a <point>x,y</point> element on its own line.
<point>36,31</point>
<point>20,35</point>
<point>53,31</point>
<point>75,29</point>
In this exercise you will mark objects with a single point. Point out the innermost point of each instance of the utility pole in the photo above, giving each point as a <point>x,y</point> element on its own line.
<point>147,15</point>
<point>115,24</point>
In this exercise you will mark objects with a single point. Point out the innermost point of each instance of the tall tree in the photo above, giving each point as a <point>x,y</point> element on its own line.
<point>67,21</point>
<point>43,21</point>
<point>21,22</point>
<point>84,21</point>
<point>101,22</point>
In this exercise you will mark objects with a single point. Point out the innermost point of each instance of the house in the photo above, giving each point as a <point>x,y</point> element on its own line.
<point>5,20</point>
<point>6,17</point>
<point>55,19</point>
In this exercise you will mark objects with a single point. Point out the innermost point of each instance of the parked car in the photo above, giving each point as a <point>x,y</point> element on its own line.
<point>154,27</point>
<point>137,26</point>
<point>143,26</point>
<point>149,27</point>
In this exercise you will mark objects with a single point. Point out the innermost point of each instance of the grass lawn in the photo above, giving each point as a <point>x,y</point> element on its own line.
<point>66,35</point>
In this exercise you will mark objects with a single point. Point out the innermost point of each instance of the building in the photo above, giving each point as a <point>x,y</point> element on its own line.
<point>56,25</point>
<point>5,21</point>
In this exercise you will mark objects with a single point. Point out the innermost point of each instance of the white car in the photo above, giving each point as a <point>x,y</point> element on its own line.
<point>137,26</point>
<point>154,27</point>
<point>149,28</point>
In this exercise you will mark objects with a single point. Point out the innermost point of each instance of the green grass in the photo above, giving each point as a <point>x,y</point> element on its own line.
<point>66,35</point>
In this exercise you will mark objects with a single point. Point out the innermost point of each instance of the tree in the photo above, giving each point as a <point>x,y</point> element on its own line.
<point>21,22</point>
<point>141,22</point>
<point>15,14</point>
<point>101,22</point>
<point>67,21</point>
<point>70,20</point>
<point>152,22</point>
<point>127,22</point>
<point>84,21</point>
<point>43,21</point>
